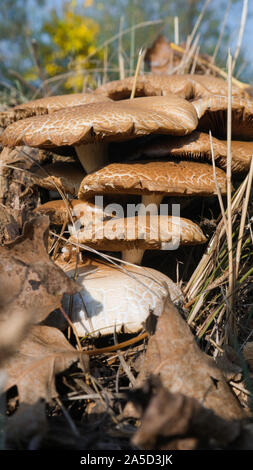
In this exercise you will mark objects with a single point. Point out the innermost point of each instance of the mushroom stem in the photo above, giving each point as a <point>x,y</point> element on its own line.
<point>132,255</point>
<point>153,200</point>
<point>92,156</point>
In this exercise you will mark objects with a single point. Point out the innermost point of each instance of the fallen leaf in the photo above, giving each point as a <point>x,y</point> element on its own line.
<point>31,285</point>
<point>175,421</point>
<point>44,353</point>
<point>174,356</point>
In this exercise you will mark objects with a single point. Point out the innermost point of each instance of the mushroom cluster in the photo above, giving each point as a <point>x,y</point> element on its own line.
<point>131,153</point>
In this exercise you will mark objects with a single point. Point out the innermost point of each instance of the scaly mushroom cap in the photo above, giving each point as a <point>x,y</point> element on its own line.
<point>188,86</point>
<point>47,105</point>
<point>105,121</point>
<point>60,211</point>
<point>144,233</point>
<point>167,178</point>
<point>194,146</point>
<point>60,175</point>
<point>117,300</point>
<point>212,113</point>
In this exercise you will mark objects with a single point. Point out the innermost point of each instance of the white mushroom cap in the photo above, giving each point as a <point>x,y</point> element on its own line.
<point>113,300</point>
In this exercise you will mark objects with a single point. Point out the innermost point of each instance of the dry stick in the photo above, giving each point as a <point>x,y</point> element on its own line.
<point>241,31</point>
<point>115,347</point>
<point>229,202</point>
<point>243,220</point>
<point>221,32</point>
<point>217,186</point>
<point>140,57</point>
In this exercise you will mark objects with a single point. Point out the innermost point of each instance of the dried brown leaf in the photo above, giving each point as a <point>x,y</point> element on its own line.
<point>31,285</point>
<point>44,353</point>
<point>174,356</point>
<point>174,421</point>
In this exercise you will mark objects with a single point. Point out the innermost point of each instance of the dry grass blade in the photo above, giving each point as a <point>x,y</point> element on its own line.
<point>217,186</point>
<point>211,66</point>
<point>176,30</point>
<point>199,19</point>
<point>221,32</point>
<point>229,202</point>
<point>137,71</point>
<point>120,51</point>
<point>243,220</point>
<point>241,31</point>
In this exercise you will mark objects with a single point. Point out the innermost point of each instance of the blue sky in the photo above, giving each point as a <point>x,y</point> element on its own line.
<point>233,24</point>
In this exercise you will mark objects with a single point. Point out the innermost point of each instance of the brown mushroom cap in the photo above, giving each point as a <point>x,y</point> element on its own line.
<point>65,176</point>
<point>47,105</point>
<point>212,113</point>
<point>166,178</point>
<point>142,232</point>
<point>105,121</point>
<point>194,146</point>
<point>188,86</point>
<point>60,211</point>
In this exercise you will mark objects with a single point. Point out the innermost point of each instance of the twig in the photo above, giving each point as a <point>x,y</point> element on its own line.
<point>115,347</point>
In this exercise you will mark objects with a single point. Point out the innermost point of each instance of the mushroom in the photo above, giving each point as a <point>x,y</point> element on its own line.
<point>90,126</point>
<point>47,105</point>
<point>154,180</point>
<point>212,113</point>
<point>60,212</point>
<point>188,86</point>
<point>113,299</point>
<point>133,235</point>
<point>65,176</point>
<point>194,146</point>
